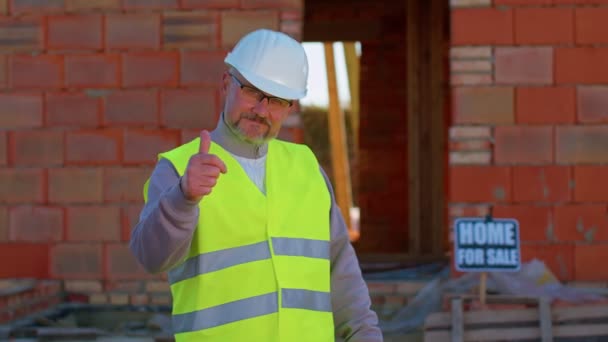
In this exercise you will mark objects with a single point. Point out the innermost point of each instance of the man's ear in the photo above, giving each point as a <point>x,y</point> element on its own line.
<point>225,82</point>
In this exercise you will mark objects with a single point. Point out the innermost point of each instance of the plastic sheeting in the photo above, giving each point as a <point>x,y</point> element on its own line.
<point>533,280</point>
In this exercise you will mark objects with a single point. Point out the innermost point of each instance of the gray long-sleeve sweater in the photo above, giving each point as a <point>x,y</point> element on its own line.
<point>167,222</point>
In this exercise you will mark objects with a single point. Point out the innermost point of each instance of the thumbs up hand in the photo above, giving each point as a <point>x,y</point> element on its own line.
<point>202,171</point>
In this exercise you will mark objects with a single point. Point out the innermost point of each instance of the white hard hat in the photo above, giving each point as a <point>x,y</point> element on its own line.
<point>273,62</point>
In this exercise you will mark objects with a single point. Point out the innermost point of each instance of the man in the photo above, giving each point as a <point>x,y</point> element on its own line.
<point>246,225</point>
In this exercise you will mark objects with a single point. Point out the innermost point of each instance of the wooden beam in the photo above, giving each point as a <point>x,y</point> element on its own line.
<point>337,139</point>
<point>353,69</point>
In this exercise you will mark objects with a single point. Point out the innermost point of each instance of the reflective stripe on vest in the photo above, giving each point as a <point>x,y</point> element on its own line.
<point>215,261</point>
<point>250,308</point>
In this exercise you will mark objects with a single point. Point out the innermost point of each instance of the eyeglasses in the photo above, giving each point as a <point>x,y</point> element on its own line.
<point>254,94</point>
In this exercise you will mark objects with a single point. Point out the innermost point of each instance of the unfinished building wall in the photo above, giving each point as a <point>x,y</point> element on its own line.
<point>529,125</point>
<point>91,92</point>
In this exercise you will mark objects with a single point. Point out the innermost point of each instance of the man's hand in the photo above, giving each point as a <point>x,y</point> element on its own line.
<point>202,171</point>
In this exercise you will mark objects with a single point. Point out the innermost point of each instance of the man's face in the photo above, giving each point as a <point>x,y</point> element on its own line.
<point>255,118</point>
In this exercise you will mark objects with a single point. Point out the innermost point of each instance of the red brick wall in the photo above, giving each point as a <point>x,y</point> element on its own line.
<point>530,99</point>
<point>90,92</point>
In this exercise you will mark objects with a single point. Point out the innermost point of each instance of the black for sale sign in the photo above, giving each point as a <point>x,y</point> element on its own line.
<point>486,245</point>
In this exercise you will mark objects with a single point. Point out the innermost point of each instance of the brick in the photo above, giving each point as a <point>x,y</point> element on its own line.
<point>33,260</point>
<point>586,185</point>
<point>99,147</point>
<point>74,185</point>
<point>291,28</point>
<point>143,146</point>
<point>522,2</point>
<point>139,299</point>
<point>282,4</point>
<point>482,26</point>
<point>133,31</point>
<point>90,5</point>
<point>470,145</point>
<point>580,2</point>
<point>132,108</point>
<point>475,52</point>
<point>160,299</point>
<point>235,24</point>
<point>4,225</point>
<point>483,105</point>
<point>189,135</point>
<point>581,144</point>
<point>28,29</point>
<point>83,286</point>
<point>207,4</point>
<point>4,73</point>
<point>149,4</point>
<point>591,25</point>
<point>470,158</point>
<point>21,186</point>
<point>469,132</point>
<point>470,66</point>
<point>190,30</point>
<point>119,299</point>
<point>559,258</point>
<point>43,71</point>
<point>93,223</point>
<point>542,25</point>
<point>150,69</point>
<point>74,109</point>
<point>523,144</point>
<point>130,218</point>
<point>584,65</point>
<point>592,102</point>
<point>545,105</point>
<point>586,259</point>
<point>36,224</point>
<point>535,222</point>
<point>123,286</point>
<point>34,6</point>
<point>93,71</point>
<point>38,148</point>
<point>18,110</point>
<point>581,222</point>
<point>121,263</point>
<point>470,3</point>
<point>524,65</point>
<point>4,7</point>
<point>460,210</point>
<point>77,261</point>
<point>471,79</point>
<point>202,68</point>
<point>542,183</point>
<point>181,108</point>
<point>3,148</point>
<point>75,32</point>
<point>492,184</point>
<point>157,286</point>
<point>125,184</point>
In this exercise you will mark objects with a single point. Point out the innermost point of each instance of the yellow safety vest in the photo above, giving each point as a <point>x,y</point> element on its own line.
<point>258,268</point>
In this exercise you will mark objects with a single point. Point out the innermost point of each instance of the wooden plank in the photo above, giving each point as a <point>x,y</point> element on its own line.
<point>337,138</point>
<point>457,320</point>
<point>437,336</point>
<point>544,309</point>
<point>502,334</point>
<point>443,319</point>
<point>569,313</point>
<point>581,330</point>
